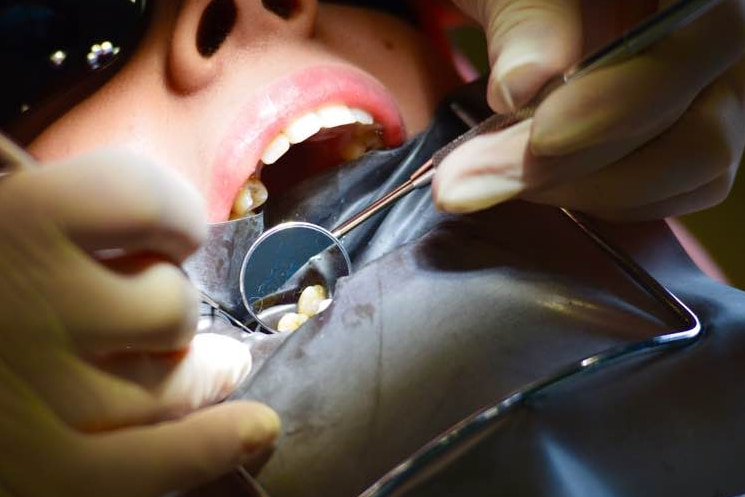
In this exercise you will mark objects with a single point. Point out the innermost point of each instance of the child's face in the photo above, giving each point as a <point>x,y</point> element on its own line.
<point>213,118</point>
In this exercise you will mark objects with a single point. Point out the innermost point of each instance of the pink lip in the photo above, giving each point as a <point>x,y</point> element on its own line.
<point>268,114</point>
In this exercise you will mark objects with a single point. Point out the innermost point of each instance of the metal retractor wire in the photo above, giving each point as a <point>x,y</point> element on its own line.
<point>435,455</point>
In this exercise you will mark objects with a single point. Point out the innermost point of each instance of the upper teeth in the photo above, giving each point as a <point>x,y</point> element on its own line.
<point>307,125</point>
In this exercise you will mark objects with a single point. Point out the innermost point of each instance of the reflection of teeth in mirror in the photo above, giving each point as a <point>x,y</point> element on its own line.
<point>310,300</point>
<point>252,195</point>
<point>323,305</point>
<point>291,321</point>
<point>311,123</point>
<point>313,301</point>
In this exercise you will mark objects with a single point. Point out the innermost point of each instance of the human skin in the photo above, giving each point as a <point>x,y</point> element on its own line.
<point>164,119</point>
<point>195,113</point>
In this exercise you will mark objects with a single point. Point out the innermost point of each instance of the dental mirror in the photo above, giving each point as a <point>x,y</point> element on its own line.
<point>283,262</point>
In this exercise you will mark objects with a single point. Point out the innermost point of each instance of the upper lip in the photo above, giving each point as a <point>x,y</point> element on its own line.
<point>267,114</point>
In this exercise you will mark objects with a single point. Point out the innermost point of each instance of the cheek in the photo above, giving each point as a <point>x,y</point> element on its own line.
<point>127,116</point>
<point>393,52</point>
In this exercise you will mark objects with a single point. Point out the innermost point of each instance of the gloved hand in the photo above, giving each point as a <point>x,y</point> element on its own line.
<point>97,363</point>
<point>655,136</point>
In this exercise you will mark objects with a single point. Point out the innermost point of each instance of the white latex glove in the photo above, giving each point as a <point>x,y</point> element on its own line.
<point>659,135</point>
<point>97,363</point>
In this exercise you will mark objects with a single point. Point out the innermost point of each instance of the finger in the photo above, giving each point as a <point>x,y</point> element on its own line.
<point>212,367</point>
<point>178,455</point>
<point>116,200</point>
<point>529,41</point>
<point>484,171</point>
<point>34,442</point>
<point>42,456</point>
<point>132,390</point>
<point>705,144</point>
<point>155,309</point>
<point>642,97</point>
<point>58,287</point>
<point>696,200</point>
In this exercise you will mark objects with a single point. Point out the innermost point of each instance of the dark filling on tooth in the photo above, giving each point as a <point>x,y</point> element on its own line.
<point>315,155</point>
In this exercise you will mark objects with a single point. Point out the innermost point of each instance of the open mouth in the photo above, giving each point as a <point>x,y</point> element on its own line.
<point>311,143</point>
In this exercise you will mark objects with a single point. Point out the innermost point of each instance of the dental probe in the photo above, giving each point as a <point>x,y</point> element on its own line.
<point>631,43</point>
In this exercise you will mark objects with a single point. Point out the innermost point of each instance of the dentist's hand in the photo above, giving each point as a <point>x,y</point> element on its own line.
<point>98,369</point>
<point>659,135</point>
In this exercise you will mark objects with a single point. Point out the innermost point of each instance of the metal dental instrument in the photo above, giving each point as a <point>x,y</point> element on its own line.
<point>437,453</point>
<point>629,44</point>
<point>265,287</point>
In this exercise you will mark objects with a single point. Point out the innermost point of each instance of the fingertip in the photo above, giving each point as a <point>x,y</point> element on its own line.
<point>529,46</point>
<point>130,202</point>
<point>153,460</point>
<point>477,192</point>
<point>482,172</point>
<point>519,74</point>
<point>259,427</point>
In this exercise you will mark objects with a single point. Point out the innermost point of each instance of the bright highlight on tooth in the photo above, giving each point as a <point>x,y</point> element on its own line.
<point>307,125</point>
<point>363,117</point>
<point>303,128</point>
<point>336,115</point>
<point>276,149</point>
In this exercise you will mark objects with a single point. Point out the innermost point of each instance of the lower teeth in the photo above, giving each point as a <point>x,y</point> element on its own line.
<point>252,195</point>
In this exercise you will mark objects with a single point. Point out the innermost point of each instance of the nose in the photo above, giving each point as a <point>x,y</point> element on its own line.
<point>207,31</point>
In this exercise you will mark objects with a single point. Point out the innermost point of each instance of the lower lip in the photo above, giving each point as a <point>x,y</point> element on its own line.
<point>269,113</point>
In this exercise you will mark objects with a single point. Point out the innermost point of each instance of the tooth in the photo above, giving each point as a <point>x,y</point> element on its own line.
<point>242,203</point>
<point>276,149</point>
<point>353,150</point>
<point>257,190</point>
<point>252,195</point>
<point>373,141</point>
<point>335,115</point>
<point>303,128</point>
<point>363,117</point>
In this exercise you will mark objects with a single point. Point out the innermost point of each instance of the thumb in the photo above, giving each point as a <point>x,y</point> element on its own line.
<point>151,461</point>
<point>529,42</point>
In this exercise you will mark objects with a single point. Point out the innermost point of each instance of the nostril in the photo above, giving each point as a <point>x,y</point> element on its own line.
<point>283,8</point>
<point>217,21</point>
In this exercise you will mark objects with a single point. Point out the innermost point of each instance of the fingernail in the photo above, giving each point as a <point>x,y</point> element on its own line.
<point>259,429</point>
<point>258,432</point>
<point>477,192</point>
<point>518,74</point>
<point>484,171</point>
